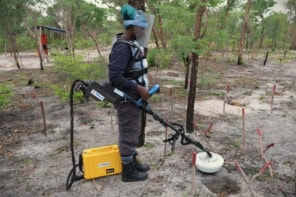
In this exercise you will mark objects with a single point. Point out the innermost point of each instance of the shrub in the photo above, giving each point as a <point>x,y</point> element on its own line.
<point>25,43</point>
<point>71,69</point>
<point>5,95</point>
<point>159,58</point>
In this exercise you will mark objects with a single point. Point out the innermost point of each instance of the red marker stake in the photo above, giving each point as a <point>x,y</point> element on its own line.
<point>193,172</point>
<point>261,151</point>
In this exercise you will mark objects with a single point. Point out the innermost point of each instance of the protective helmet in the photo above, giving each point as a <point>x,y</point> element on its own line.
<point>142,22</point>
<point>133,17</point>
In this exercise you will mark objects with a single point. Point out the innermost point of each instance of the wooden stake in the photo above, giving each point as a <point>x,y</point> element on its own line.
<point>171,102</point>
<point>226,98</point>
<point>272,96</point>
<point>112,111</point>
<point>240,170</point>
<point>165,146</point>
<point>193,172</point>
<point>44,120</point>
<point>243,135</point>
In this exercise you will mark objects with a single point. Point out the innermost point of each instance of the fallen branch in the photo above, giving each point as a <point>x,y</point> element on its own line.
<point>98,187</point>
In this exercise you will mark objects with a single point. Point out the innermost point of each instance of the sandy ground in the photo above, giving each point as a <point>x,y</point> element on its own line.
<point>34,165</point>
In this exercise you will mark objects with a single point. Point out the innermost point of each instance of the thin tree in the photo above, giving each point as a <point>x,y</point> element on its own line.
<point>230,4</point>
<point>157,30</point>
<point>262,7</point>
<point>243,32</point>
<point>194,68</point>
<point>291,6</point>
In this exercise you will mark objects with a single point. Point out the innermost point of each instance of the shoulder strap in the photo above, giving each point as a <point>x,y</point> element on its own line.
<point>131,44</point>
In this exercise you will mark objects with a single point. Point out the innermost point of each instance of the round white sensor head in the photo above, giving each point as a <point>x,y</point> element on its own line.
<point>208,164</point>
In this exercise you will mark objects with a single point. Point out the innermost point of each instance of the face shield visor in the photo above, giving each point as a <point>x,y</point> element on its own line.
<point>143,24</point>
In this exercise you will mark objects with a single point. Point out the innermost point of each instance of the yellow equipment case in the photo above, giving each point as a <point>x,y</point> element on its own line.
<point>101,161</point>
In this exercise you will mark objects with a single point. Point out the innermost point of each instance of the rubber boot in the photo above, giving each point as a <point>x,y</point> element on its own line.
<point>131,174</point>
<point>139,166</point>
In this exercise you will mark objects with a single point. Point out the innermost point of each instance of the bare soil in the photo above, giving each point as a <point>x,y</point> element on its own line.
<point>32,164</point>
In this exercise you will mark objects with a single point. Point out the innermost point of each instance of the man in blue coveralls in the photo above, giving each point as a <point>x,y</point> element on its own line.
<point>128,72</point>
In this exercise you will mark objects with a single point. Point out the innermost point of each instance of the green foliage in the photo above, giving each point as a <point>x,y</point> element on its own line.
<point>182,44</point>
<point>24,42</point>
<point>156,98</point>
<point>12,13</point>
<point>237,144</point>
<point>207,79</point>
<point>70,70</point>
<point>261,7</point>
<point>291,6</point>
<point>83,43</point>
<point>64,93</point>
<point>104,104</point>
<point>159,57</point>
<point>277,25</point>
<point>78,69</point>
<point>5,95</point>
<point>57,43</point>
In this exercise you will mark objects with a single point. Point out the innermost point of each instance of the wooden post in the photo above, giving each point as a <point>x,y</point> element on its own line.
<point>44,120</point>
<point>193,173</point>
<point>266,57</point>
<point>171,102</point>
<point>243,134</point>
<point>272,96</point>
<point>225,99</point>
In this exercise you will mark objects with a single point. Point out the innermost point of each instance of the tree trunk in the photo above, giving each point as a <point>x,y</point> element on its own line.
<point>225,16</point>
<point>155,37</point>
<point>14,50</point>
<point>96,43</point>
<point>187,62</point>
<point>40,57</point>
<point>138,4</point>
<point>194,68</point>
<point>261,37</point>
<point>243,32</point>
<point>159,32</point>
<point>163,41</point>
<point>247,41</point>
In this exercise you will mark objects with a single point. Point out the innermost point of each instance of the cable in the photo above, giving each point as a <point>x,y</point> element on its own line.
<point>72,177</point>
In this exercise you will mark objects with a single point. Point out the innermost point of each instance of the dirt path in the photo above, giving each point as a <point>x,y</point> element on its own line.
<point>34,165</point>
